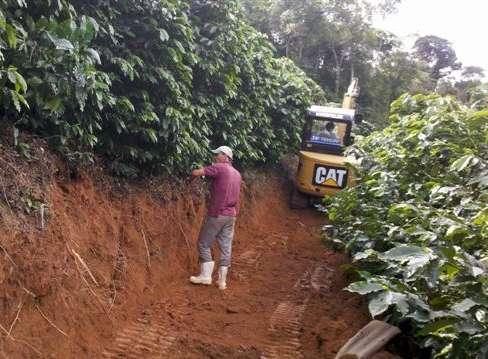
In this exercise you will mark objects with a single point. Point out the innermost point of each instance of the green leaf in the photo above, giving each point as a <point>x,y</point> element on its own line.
<point>463,163</point>
<point>420,316</point>
<point>126,104</point>
<point>364,287</point>
<point>400,300</point>
<point>93,23</point>
<point>380,303</point>
<point>20,83</point>
<point>405,253</point>
<point>468,326</point>
<point>368,253</point>
<point>174,55</point>
<point>11,36</point>
<point>438,327</point>
<point>54,104</point>
<point>22,100</point>
<point>179,46</point>
<point>465,305</point>
<point>415,257</point>
<point>3,21</point>
<point>152,135</point>
<point>481,218</point>
<point>480,315</point>
<point>94,54</point>
<point>89,28</point>
<point>11,75</point>
<point>60,44</point>
<point>399,213</point>
<point>456,232</point>
<point>63,44</point>
<point>163,35</point>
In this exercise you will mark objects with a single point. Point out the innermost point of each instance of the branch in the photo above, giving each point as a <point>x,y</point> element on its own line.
<point>21,304</point>
<point>47,319</point>
<point>147,249</point>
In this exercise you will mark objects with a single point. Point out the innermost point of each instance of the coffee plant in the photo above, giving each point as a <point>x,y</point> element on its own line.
<point>151,85</point>
<point>417,224</point>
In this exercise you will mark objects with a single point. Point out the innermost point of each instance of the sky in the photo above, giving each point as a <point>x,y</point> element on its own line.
<point>463,23</point>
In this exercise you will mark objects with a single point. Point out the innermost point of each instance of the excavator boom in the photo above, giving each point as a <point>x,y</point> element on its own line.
<point>351,95</point>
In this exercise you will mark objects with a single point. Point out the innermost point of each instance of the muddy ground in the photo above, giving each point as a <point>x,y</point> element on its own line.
<point>106,276</point>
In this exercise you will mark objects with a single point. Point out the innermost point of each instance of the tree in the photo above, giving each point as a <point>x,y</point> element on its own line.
<point>257,14</point>
<point>334,40</point>
<point>330,39</point>
<point>471,89</point>
<point>473,72</point>
<point>466,85</point>
<point>396,73</point>
<point>438,54</point>
<point>478,96</point>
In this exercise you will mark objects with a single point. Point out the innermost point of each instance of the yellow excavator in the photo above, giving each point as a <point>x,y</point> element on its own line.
<point>322,167</point>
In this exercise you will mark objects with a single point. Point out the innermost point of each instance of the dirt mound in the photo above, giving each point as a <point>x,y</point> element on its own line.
<point>107,276</point>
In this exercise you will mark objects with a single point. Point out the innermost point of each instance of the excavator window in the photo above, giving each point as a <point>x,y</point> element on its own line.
<point>325,135</point>
<point>324,132</point>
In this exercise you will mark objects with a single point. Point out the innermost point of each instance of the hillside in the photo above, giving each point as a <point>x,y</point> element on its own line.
<point>108,273</point>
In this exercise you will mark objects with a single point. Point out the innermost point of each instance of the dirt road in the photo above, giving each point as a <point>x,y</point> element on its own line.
<point>108,278</point>
<point>284,300</point>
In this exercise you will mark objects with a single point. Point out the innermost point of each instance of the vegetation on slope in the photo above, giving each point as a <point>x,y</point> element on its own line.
<point>150,84</point>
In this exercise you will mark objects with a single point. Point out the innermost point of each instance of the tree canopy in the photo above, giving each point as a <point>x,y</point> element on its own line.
<point>438,53</point>
<point>333,40</point>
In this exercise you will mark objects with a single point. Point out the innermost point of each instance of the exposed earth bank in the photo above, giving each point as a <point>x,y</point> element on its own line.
<point>104,273</point>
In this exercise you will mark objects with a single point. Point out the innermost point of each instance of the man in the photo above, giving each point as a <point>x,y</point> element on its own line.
<point>221,216</point>
<point>330,131</point>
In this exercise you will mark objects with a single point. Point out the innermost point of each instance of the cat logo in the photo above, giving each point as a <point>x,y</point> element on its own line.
<point>329,176</point>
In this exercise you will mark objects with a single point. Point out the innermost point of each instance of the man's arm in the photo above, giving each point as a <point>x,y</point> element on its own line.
<point>210,171</point>
<point>198,172</point>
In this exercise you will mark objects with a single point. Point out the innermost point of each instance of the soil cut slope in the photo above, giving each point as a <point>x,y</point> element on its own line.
<point>108,277</point>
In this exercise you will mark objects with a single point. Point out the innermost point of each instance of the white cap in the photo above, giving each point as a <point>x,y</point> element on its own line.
<point>225,150</point>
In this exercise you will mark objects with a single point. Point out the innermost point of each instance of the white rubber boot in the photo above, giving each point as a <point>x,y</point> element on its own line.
<point>205,276</point>
<point>222,277</point>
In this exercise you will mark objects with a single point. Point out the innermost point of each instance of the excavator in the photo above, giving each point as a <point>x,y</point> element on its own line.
<point>322,168</point>
<point>323,171</point>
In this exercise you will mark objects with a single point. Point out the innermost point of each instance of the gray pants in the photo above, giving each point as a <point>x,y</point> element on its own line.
<point>219,228</point>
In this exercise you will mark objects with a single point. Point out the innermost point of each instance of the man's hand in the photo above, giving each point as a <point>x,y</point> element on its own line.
<point>198,172</point>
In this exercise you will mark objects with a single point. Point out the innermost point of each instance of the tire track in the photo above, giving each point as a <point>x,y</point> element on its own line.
<point>141,340</point>
<point>321,279</point>
<point>245,264</point>
<point>285,324</point>
<point>284,329</point>
<point>144,339</point>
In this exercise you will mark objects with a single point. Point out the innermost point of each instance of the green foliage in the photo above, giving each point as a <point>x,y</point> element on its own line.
<point>334,40</point>
<point>152,85</point>
<point>417,226</point>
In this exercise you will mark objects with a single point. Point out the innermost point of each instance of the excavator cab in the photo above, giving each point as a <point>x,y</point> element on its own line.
<point>327,130</point>
<point>322,167</point>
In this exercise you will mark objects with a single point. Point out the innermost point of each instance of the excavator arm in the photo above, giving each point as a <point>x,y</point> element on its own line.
<point>351,95</point>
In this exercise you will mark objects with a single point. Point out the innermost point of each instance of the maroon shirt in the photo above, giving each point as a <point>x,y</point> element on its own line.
<point>224,193</point>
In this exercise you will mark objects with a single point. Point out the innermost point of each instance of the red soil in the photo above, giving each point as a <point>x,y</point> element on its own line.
<point>108,277</point>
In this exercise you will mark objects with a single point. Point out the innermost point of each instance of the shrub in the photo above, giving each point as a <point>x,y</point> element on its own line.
<point>417,224</point>
<point>152,85</point>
